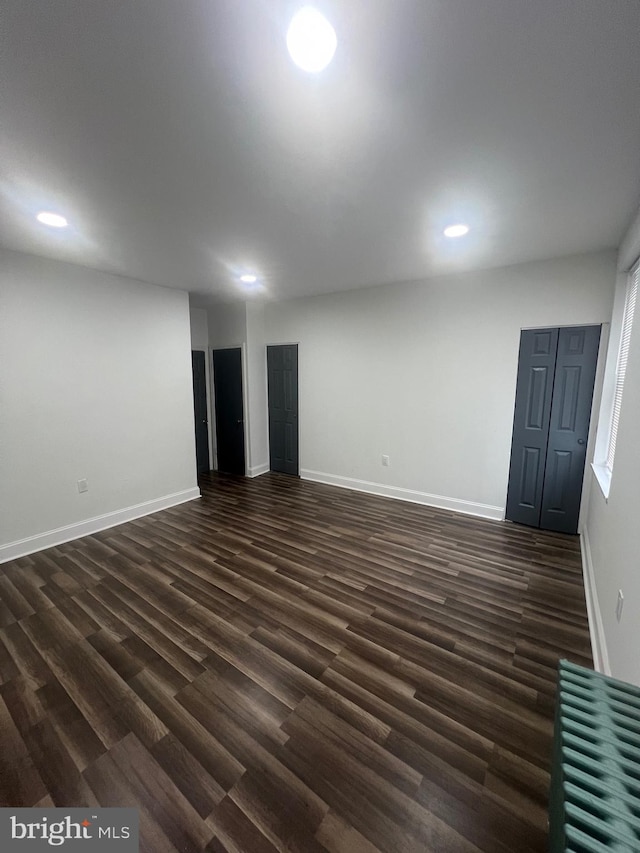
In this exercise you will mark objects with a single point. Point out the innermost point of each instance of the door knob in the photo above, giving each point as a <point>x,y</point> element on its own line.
<point>581,441</point>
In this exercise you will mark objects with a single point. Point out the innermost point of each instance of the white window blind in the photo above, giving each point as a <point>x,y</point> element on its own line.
<point>623,355</point>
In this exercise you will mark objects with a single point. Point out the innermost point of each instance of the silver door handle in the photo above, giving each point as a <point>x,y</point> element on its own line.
<point>581,441</point>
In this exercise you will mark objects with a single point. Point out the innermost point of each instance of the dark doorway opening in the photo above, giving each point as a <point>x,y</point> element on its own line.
<point>227,385</point>
<point>201,419</point>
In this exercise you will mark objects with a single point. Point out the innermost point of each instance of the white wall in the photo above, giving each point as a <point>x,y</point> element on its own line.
<point>199,329</point>
<point>426,372</point>
<point>227,324</point>
<point>257,390</point>
<point>95,383</point>
<point>612,531</point>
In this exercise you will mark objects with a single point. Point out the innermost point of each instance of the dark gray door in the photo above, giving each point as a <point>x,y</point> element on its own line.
<point>534,389</point>
<point>200,410</point>
<point>227,385</point>
<point>556,373</point>
<point>282,370</point>
<point>569,428</point>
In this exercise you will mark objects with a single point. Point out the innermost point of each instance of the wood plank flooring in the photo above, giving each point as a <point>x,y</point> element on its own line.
<point>283,665</point>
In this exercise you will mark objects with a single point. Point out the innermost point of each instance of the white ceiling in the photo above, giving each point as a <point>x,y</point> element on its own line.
<point>184,146</point>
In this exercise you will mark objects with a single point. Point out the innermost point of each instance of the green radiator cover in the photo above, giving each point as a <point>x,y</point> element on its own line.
<point>594,801</point>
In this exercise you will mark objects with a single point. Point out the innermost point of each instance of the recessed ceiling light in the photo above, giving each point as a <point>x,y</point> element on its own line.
<point>311,40</point>
<point>54,220</point>
<point>248,278</point>
<point>456,230</point>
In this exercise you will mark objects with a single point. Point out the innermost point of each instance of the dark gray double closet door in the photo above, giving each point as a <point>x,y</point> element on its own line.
<point>282,376</point>
<point>556,373</point>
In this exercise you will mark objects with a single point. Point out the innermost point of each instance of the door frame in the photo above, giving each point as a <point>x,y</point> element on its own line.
<point>208,379</point>
<point>245,402</point>
<point>587,477</point>
<point>266,385</point>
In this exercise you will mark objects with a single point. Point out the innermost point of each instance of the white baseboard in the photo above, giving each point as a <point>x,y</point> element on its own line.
<point>468,507</point>
<point>259,469</point>
<point>22,547</point>
<point>596,628</point>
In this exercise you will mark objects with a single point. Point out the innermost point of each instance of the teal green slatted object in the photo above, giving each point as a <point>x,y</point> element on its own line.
<point>594,801</point>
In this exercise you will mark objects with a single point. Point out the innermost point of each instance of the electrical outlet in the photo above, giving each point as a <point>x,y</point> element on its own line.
<point>385,460</point>
<point>619,605</point>
<point>83,486</point>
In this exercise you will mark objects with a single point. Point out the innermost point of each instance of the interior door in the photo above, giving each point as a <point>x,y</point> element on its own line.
<point>282,371</point>
<point>200,410</point>
<point>534,390</point>
<point>227,385</point>
<point>556,374</point>
<point>569,427</point>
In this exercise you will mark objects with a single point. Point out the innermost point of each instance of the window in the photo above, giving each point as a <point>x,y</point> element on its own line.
<point>621,366</point>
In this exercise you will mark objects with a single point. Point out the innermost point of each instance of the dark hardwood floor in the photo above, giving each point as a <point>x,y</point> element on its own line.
<point>289,666</point>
